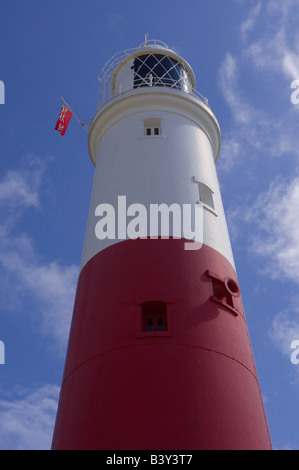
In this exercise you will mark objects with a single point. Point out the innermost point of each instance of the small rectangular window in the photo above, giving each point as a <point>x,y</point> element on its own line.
<point>152,127</point>
<point>154,316</point>
<point>160,324</point>
<point>149,324</point>
<point>206,195</point>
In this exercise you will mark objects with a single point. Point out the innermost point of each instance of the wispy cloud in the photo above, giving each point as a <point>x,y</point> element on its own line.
<point>250,125</point>
<point>274,55</point>
<point>248,25</point>
<point>274,51</point>
<point>266,218</point>
<point>19,190</point>
<point>278,49</point>
<point>283,9</point>
<point>242,111</point>
<point>115,21</point>
<point>27,419</point>
<point>16,190</point>
<point>273,225</point>
<point>49,285</point>
<point>27,416</point>
<point>275,214</point>
<point>230,151</point>
<point>284,330</point>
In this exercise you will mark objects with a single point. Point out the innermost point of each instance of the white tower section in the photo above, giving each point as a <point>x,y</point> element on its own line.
<point>154,140</point>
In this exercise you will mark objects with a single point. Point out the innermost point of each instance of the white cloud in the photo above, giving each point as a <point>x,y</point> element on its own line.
<point>258,130</point>
<point>273,53</point>
<point>273,227</point>
<point>259,136</point>
<point>50,286</point>
<point>15,190</point>
<point>230,151</point>
<point>275,214</point>
<point>282,8</point>
<point>115,21</point>
<point>251,129</point>
<point>284,330</point>
<point>249,24</point>
<point>241,109</point>
<point>290,63</point>
<point>21,188</point>
<point>278,49</point>
<point>27,419</point>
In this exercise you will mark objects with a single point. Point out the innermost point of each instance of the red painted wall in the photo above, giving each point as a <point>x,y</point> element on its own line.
<point>191,387</point>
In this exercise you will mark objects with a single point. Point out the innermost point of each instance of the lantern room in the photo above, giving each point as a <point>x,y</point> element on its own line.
<point>152,64</point>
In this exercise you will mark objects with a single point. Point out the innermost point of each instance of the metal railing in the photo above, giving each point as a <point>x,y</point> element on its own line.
<point>150,80</point>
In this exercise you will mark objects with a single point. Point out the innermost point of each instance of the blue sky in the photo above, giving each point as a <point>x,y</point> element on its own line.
<point>245,55</point>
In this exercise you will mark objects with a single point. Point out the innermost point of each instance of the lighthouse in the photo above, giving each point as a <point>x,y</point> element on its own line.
<point>159,355</point>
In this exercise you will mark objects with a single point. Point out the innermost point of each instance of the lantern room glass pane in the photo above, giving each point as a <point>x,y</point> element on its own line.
<point>158,70</point>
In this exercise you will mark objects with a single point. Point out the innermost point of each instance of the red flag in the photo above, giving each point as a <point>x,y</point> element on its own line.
<point>63,120</point>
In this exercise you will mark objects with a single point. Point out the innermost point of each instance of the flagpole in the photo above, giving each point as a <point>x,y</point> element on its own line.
<point>83,124</point>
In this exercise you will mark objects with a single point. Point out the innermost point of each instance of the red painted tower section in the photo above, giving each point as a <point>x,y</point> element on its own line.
<point>159,356</point>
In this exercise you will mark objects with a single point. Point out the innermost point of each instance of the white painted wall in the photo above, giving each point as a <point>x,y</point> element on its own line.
<point>156,170</point>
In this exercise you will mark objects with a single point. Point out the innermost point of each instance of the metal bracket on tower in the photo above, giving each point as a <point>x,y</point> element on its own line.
<point>83,124</point>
